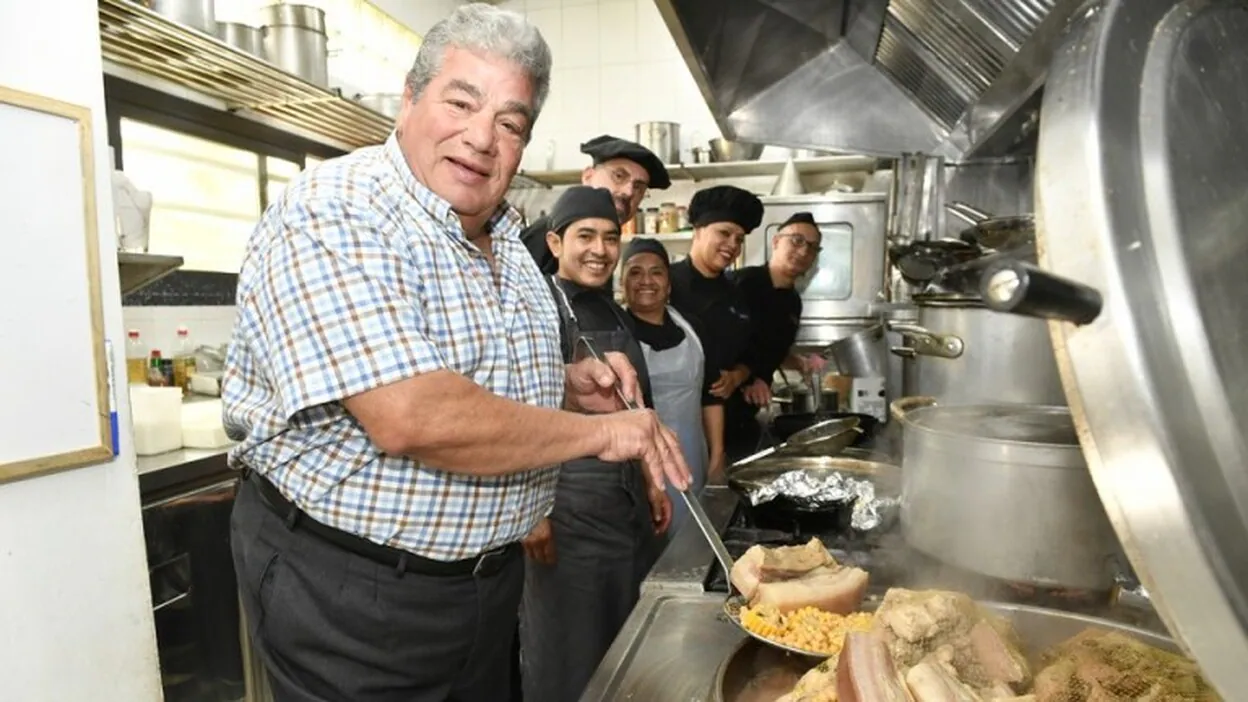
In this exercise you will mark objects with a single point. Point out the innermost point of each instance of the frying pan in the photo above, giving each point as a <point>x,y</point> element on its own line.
<point>995,233</point>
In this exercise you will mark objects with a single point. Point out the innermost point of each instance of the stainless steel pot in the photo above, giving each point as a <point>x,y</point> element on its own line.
<point>1003,490</point>
<point>754,670</point>
<point>965,353</point>
<point>663,138</point>
<point>295,41</point>
<point>243,37</point>
<point>862,354</point>
<point>199,14</point>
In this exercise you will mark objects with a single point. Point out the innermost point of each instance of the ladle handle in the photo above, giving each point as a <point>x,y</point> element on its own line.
<point>1020,288</point>
<point>967,213</point>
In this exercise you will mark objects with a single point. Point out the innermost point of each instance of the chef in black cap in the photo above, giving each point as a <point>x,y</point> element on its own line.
<point>625,168</point>
<point>775,311</point>
<point>721,217</point>
<point>588,557</point>
<point>675,360</point>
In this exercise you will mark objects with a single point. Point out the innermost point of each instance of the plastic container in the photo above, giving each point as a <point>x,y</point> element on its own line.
<point>157,419</point>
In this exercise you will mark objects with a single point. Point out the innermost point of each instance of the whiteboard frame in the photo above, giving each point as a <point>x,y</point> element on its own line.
<point>76,457</point>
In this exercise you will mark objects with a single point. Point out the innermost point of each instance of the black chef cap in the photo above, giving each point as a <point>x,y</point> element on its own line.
<point>800,218</point>
<point>726,203</point>
<point>607,147</point>
<point>643,244</point>
<point>582,202</point>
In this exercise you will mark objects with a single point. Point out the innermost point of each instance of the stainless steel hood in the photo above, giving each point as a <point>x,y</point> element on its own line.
<point>959,78</point>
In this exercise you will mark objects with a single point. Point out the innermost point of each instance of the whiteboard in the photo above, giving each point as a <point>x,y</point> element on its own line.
<point>53,374</point>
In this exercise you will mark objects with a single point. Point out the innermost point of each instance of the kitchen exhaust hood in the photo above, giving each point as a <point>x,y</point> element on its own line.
<point>957,78</point>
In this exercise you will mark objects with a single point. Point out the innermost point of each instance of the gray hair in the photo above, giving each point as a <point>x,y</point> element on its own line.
<point>489,30</point>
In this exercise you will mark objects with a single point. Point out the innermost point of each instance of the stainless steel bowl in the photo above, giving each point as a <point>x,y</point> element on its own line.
<point>725,150</point>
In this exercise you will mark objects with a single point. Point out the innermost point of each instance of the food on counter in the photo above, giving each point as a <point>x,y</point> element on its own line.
<point>808,628</point>
<point>866,672</point>
<point>791,577</point>
<point>817,685</point>
<point>1106,666</point>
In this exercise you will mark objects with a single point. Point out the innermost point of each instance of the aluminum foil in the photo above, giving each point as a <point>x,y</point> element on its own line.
<point>807,490</point>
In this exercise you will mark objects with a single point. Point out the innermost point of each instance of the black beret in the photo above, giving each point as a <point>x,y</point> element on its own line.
<point>726,203</point>
<point>582,202</point>
<point>800,218</point>
<point>644,244</point>
<point>607,147</point>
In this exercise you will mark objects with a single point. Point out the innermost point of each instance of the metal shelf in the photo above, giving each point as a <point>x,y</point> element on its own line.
<point>133,37</point>
<point>710,171</point>
<point>139,270</point>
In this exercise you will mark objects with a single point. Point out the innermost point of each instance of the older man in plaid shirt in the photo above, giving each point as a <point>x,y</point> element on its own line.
<point>397,386</point>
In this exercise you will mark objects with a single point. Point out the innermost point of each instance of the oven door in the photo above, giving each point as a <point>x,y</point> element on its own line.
<point>848,277</point>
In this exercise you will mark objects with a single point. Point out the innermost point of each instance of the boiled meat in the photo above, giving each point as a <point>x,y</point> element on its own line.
<point>773,564</point>
<point>932,680</point>
<point>788,562</point>
<point>866,672</point>
<point>837,589</point>
<point>980,648</point>
<point>1104,666</point>
<point>817,685</point>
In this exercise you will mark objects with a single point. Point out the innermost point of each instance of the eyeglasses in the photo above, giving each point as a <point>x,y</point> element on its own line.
<point>804,244</point>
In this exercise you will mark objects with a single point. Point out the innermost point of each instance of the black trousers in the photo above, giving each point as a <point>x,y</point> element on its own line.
<point>573,610</point>
<point>333,626</point>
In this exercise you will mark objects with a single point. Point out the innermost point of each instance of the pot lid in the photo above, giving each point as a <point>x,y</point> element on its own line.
<point>1029,424</point>
<point>1140,180</point>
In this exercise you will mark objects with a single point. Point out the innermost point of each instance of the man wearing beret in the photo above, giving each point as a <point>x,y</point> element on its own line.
<point>776,311</point>
<point>625,168</point>
<point>588,557</point>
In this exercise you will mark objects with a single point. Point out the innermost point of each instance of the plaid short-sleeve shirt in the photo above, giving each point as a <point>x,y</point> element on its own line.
<point>358,277</point>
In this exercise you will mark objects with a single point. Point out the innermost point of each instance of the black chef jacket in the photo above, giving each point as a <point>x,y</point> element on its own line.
<point>534,238</point>
<point>597,311</point>
<point>719,314</point>
<point>775,314</point>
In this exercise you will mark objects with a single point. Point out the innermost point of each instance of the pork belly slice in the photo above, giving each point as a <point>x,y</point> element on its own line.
<point>866,672</point>
<point>788,562</point>
<point>836,589</point>
<point>745,571</point>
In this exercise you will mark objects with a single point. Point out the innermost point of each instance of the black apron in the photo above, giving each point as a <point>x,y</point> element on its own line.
<point>604,546</point>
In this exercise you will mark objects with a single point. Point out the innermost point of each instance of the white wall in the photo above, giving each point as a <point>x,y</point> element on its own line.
<point>75,609</point>
<point>417,15</point>
<point>615,65</point>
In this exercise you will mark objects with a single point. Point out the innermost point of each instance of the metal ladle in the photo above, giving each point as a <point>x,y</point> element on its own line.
<point>691,501</point>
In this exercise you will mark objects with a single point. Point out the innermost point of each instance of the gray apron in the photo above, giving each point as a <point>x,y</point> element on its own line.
<point>604,546</point>
<point>676,383</point>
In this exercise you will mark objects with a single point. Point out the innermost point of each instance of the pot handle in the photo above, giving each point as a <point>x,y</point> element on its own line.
<point>926,343</point>
<point>1020,288</point>
<point>903,405</point>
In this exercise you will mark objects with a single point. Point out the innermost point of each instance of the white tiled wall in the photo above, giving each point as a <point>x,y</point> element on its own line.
<point>158,326</point>
<point>615,64</point>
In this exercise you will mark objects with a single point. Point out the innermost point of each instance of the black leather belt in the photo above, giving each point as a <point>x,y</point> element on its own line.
<point>484,565</point>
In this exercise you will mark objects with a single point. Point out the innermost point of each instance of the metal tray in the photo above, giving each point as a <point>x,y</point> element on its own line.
<point>754,670</point>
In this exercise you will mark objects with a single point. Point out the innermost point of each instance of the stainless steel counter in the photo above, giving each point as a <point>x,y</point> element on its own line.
<point>676,637</point>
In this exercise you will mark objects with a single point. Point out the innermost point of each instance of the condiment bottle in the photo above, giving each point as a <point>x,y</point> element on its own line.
<point>183,360</point>
<point>136,359</point>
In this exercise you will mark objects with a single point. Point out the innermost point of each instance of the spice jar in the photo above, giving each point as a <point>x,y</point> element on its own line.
<point>652,220</point>
<point>682,218</point>
<point>667,218</point>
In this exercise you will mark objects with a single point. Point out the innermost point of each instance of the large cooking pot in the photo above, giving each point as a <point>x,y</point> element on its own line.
<point>965,353</point>
<point>1003,490</point>
<point>862,354</point>
<point>663,138</point>
<point>755,671</point>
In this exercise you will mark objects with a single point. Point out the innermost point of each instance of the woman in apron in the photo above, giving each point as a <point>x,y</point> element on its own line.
<point>583,582</point>
<point>674,358</point>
